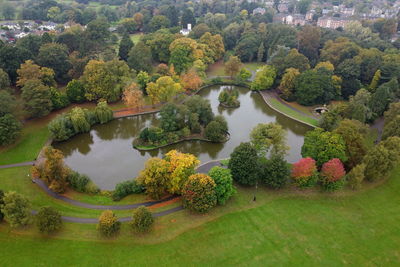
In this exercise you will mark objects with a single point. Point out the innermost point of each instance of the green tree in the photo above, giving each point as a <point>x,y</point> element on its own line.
<point>356,176</point>
<point>1,204</point>
<point>75,91</point>
<point>224,183</point>
<point>309,40</point>
<point>159,22</point>
<point>216,130</point>
<point>201,107</point>
<point>142,220</point>
<point>108,223</point>
<point>173,117</point>
<point>232,66</point>
<point>16,209</point>
<point>4,80</point>
<point>55,57</point>
<point>140,57</point>
<point>243,164</point>
<point>275,172</point>
<point>377,163</point>
<point>323,146</point>
<point>11,57</point>
<point>143,79</point>
<point>283,60</point>
<point>48,220</point>
<point>125,46</point>
<point>8,103</point>
<point>78,120</point>
<point>199,193</point>
<point>103,112</point>
<point>269,137</point>
<point>188,18</point>
<point>264,79</point>
<point>164,89</point>
<point>383,96</point>
<point>37,98</point>
<point>10,129</point>
<point>184,51</point>
<point>359,106</point>
<point>287,84</point>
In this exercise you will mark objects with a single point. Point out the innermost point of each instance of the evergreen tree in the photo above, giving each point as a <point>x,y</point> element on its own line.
<point>125,46</point>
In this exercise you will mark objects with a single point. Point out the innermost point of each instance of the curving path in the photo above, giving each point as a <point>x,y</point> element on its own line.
<point>28,163</point>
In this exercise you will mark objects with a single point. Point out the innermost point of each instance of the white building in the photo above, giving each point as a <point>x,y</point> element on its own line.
<point>186,31</point>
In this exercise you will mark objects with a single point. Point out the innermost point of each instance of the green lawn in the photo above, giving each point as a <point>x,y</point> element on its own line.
<point>285,109</point>
<point>284,228</point>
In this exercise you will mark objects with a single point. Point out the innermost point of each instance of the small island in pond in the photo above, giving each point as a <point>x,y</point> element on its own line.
<point>228,98</point>
<point>193,120</point>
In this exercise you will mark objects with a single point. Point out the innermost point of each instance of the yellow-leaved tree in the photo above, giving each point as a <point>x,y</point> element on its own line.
<point>181,166</point>
<point>132,96</point>
<point>163,90</point>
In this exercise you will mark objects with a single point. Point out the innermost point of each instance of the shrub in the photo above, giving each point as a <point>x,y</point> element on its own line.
<point>78,181</point>
<point>15,209</point>
<point>276,172</point>
<point>10,129</point>
<point>48,220</point>
<point>92,188</point>
<point>216,130</point>
<point>58,99</point>
<point>224,183</point>
<point>103,112</point>
<point>142,220</point>
<point>61,128</point>
<point>356,176</point>
<point>1,204</point>
<point>75,91</point>
<point>229,97</point>
<point>125,189</point>
<point>304,172</point>
<point>108,223</point>
<point>199,193</point>
<point>243,164</point>
<point>332,174</point>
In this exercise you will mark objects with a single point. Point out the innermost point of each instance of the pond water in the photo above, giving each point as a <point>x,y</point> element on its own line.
<point>106,155</point>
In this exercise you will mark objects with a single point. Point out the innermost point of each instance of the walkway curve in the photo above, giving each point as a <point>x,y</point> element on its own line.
<point>27,163</point>
<point>123,219</point>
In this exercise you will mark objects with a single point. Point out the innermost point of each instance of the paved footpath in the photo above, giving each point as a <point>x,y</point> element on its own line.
<point>28,163</point>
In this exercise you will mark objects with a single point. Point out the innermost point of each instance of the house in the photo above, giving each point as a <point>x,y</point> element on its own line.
<point>186,31</point>
<point>296,19</point>
<point>332,22</point>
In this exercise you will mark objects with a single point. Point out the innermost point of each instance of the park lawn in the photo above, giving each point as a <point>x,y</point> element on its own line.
<point>290,112</point>
<point>216,69</point>
<point>253,66</point>
<point>136,37</point>
<point>358,228</point>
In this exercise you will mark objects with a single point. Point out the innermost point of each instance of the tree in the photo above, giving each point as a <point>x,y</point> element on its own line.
<point>332,173</point>
<point>275,172</point>
<point>4,80</point>
<point>55,172</point>
<point>356,176</point>
<point>142,220</point>
<point>164,89</point>
<point>7,103</point>
<point>159,22</point>
<point>155,177</point>
<point>108,223</point>
<point>125,46</point>
<point>173,117</point>
<point>359,106</point>
<point>1,204</point>
<point>244,75</point>
<point>188,18</point>
<point>199,30</point>
<point>243,164</point>
<point>212,47</point>
<point>105,80</point>
<point>303,5</point>
<point>375,81</point>
<point>143,79</point>
<point>55,57</point>
<point>232,66</point>
<point>11,57</point>
<point>338,50</point>
<point>377,163</point>
<point>269,136</point>
<point>283,60</point>
<point>8,11</point>
<point>37,98</point>
<point>75,91</point>
<point>184,51</point>
<point>181,166</point>
<point>350,71</point>
<point>140,57</point>
<point>190,81</point>
<point>247,46</point>
<point>159,43</point>
<point>58,99</point>
<point>79,121</point>
<point>287,84</point>
<point>133,96</point>
<point>15,209</point>
<point>199,193</point>
<point>173,15</point>
<point>224,183</point>
<point>48,220</point>
<point>103,112</point>
<point>309,40</point>
<point>323,146</point>
<point>216,130</point>
<point>304,172</point>
<point>383,96</point>
<point>353,133</point>
<point>78,65</point>
<point>264,78</point>
<point>30,71</point>
<point>10,129</point>
<point>201,107</point>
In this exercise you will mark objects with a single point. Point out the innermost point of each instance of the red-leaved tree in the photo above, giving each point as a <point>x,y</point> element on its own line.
<point>333,170</point>
<point>304,172</point>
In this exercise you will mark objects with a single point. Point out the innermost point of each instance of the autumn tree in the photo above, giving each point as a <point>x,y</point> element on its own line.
<point>356,176</point>
<point>269,137</point>
<point>309,41</point>
<point>30,71</point>
<point>181,166</point>
<point>142,220</point>
<point>108,223</point>
<point>163,90</point>
<point>332,174</point>
<point>304,172</point>
<point>155,177</point>
<point>323,146</point>
<point>191,81</point>
<point>15,208</point>
<point>233,66</point>
<point>287,85</point>
<point>105,80</point>
<point>199,193</point>
<point>133,96</point>
<point>184,51</point>
<point>143,79</point>
<point>336,51</point>
<point>54,170</point>
<point>243,164</point>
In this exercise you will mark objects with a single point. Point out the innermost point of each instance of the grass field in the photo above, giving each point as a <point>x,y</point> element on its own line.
<point>314,229</point>
<point>286,110</point>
